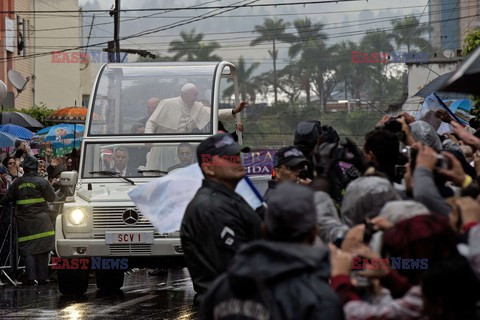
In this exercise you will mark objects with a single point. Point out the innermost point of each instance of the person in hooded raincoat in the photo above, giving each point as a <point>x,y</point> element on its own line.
<point>36,235</point>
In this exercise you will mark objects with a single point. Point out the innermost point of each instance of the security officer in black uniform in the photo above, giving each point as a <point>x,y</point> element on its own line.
<point>36,236</point>
<point>218,220</point>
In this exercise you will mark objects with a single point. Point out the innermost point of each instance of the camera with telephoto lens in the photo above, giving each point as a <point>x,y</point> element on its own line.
<point>395,127</point>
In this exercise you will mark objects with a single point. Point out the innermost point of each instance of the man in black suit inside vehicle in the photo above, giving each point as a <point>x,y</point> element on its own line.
<point>120,163</point>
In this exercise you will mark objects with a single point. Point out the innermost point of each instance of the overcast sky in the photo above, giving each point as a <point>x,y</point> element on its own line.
<point>340,20</point>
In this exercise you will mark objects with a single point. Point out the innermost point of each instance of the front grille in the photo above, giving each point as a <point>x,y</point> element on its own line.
<point>111,217</point>
<point>130,249</point>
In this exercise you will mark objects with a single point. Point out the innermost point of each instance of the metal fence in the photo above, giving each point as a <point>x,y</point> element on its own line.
<point>9,258</point>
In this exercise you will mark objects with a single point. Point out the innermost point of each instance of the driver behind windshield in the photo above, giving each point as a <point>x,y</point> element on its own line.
<point>185,155</point>
<point>120,163</point>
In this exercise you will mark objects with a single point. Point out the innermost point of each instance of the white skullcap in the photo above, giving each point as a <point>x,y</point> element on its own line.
<point>188,87</point>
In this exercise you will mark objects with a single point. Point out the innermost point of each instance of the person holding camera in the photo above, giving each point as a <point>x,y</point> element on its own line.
<point>289,164</point>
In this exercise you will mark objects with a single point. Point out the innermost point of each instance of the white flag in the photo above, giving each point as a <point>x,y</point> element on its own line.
<point>163,201</point>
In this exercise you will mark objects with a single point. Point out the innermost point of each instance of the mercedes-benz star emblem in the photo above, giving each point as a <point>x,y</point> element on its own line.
<point>130,216</point>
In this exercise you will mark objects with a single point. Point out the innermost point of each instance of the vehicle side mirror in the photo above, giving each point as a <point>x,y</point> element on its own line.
<point>68,178</point>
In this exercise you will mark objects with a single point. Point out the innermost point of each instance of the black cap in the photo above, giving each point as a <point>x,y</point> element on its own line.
<point>219,144</point>
<point>30,163</point>
<point>291,211</point>
<point>289,156</point>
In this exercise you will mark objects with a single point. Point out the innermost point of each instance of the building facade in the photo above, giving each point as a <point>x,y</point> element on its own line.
<point>451,21</point>
<point>57,84</point>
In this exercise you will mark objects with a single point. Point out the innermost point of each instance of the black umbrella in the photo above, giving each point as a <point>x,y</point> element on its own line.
<point>434,86</point>
<point>21,119</point>
<point>467,77</point>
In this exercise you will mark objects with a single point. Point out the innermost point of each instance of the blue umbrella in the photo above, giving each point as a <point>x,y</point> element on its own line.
<point>7,140</point>
<point>60,132</point>
<point>17,131</point>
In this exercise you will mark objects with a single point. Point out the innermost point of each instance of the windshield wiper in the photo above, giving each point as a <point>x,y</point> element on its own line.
<point>113,173</point>
<point>153,170</point>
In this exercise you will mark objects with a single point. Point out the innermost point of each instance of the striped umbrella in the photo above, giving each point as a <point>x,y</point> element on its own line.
<point>17,131</point>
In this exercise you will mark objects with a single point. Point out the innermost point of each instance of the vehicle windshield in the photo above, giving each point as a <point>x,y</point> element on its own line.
<point>136,159</point>
<point>148,98</point>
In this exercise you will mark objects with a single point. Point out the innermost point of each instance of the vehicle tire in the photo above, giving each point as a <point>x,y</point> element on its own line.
<point>109,280</point>
<point>72,282</point>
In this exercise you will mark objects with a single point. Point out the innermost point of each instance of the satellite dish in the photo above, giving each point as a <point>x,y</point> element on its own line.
<point>3,91</point>
<point>17,80</point>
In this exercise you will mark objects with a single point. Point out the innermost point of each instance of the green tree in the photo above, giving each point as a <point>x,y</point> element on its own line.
<point>39,112</point>
<point>192,46</point>
<point>245,86</point>
<point>472,42</point>
<point>354,75</point>
<point>309,44</point>
<point>409,31</point>
<point>376,41</point>
<point>272,30</point>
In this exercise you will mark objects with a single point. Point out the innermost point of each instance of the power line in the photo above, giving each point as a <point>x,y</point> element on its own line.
<point>330,36</point>
<point>161,13</point>
<point>172,26</point>
<point>303,3</point>
<point>132,36</point>
<point>342,25</point>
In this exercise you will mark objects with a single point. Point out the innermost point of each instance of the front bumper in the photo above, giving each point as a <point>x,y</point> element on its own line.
<point>79,248</point>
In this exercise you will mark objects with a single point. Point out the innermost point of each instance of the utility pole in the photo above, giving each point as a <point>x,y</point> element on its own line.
<point>115,12</point>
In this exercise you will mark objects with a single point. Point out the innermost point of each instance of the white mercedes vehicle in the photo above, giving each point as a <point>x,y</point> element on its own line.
<point>98,219</point>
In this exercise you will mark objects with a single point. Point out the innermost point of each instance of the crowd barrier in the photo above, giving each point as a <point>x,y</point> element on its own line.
<point>9,258</point>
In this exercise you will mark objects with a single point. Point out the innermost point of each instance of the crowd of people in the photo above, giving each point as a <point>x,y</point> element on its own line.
<point>389,231</point>
<point>32,183</point>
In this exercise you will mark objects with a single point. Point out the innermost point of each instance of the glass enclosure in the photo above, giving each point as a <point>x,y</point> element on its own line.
<point>140,99</point>
<point>134,159</point>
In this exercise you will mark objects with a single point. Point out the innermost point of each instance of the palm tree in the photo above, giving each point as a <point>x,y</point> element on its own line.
<point>376,41</point>
<point>245,86</point>
<point>191,46</point>
<point>354,75</point>
<point>408,31</point>
<point>272,30</point>
<point>309,43</point>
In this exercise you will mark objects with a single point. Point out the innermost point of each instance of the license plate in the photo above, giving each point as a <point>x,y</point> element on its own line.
<point>128,237</point>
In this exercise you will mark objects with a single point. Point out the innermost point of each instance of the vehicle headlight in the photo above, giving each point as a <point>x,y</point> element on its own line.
<point>77,216</point>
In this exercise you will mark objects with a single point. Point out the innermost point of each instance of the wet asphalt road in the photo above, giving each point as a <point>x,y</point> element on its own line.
<point>141,297</point>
